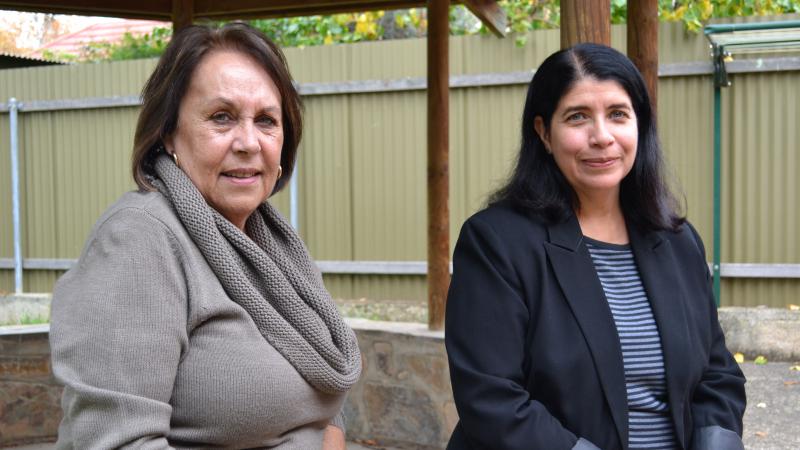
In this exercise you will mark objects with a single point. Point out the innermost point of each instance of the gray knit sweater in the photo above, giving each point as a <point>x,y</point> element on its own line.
<point>153,354</point>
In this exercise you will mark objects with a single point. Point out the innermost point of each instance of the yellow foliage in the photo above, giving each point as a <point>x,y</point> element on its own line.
<point>738,357</point>
<point>706,9</point>
<point>366,25</point>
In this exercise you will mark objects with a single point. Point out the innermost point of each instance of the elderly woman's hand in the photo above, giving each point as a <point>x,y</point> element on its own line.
<point>333,438</point>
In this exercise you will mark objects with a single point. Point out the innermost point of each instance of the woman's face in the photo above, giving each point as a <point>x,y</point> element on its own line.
<point>593,137</point>
<point>230,133</point>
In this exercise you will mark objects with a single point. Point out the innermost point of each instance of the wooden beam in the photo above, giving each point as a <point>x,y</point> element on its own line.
<point>585,21</point>
<point>438,161</point>
<point>262,8</point>
<point>182,14</point>
<point>642,31</point>
<point>128,9</point>
<point>490,13</point>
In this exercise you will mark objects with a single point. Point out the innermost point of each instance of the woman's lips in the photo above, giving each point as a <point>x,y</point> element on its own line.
<point>600,162</point>
<point>241,177</point>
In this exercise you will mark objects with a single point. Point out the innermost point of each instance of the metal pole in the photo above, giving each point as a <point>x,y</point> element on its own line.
<point>717,190</point>
<point>293,220</point>
<point>13,108</point>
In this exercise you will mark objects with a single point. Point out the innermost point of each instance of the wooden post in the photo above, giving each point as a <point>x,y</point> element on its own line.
<point>643,43</point>
<point>585,21</point>
<point>438,165</point>
<point>182,14</point>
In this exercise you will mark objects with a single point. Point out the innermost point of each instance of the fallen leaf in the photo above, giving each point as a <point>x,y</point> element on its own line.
<point>761,434</point>
<point>794,308</point>
<point>738,357</point>
<point>760,360</point>
<point>789,383</point>
<point>761,405</point>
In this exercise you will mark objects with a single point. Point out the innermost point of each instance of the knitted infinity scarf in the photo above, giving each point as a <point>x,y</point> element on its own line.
<point>272,277</point>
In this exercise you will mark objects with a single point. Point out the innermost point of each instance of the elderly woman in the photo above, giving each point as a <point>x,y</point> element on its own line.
<point>195,317</point>
<point>580,314</point>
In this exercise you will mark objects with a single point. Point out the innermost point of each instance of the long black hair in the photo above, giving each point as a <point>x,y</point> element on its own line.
<point>537,185</point>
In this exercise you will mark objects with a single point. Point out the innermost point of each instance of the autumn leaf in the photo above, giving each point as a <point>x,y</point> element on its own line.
<point>760,360</point>
<point>738,357</point>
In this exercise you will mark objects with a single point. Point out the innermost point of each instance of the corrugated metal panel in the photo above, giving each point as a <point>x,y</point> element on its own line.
<point>774,293</point>
<point>377,287</point>
<point>760,169</point>
<point>389,181</point>
<point>685,110</point>
<point>326,176</point>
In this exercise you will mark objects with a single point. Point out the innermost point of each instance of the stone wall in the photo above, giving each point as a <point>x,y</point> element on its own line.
<point>29,395</point>
<point>403,398</point>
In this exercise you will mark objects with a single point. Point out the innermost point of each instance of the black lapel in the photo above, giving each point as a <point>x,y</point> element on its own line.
<point>658,269</point>
<point>578,279</point>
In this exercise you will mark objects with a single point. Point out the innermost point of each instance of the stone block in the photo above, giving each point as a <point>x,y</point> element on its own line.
<point>431,370</point>
<point>28,412</point>
<point>402,414</point>
<point>26,368</point>
<point>771,332</point>
<point>384,358</point>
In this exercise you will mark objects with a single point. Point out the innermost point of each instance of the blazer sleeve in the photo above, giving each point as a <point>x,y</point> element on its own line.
<point>485,336</point>
<point>118,330</point>
<point>719,398</point>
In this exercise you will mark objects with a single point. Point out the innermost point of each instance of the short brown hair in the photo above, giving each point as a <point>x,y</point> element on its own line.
<point>166,87</point>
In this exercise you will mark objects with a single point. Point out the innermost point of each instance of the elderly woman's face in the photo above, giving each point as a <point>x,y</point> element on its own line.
<point>230,133</point>
<point>593,136</point>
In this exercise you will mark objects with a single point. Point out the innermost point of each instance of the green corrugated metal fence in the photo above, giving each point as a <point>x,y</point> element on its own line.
<point>362,162</point>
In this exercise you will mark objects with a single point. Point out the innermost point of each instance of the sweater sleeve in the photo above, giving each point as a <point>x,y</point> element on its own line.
<point>339,421</point>
<point>118,330</point>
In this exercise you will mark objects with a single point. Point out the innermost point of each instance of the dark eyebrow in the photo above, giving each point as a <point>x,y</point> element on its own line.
<point>222,100</point>
<point>272,109</point>
<point>620,106</point>
<point>230,104</point>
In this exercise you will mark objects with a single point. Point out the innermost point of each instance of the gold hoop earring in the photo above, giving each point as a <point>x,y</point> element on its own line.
<point>280,173</point>
<point>175,158</point>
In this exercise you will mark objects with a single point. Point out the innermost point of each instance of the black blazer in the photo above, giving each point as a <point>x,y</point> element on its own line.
<point>535,360</point>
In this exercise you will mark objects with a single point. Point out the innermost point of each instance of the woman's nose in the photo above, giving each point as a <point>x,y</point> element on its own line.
<point>246,139</point>
<point>601,136</point>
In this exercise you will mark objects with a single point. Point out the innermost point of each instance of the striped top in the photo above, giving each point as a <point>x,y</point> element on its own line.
<point>649,423</point>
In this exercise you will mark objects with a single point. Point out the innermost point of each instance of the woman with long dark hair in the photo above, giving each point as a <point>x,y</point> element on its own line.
<point>580,314</point>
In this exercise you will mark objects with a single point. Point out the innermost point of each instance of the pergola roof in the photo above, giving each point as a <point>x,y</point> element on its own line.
<point>184,12</point>
<point>487,10</point>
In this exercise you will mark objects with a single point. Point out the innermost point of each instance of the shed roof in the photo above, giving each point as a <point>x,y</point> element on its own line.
<point>112,32</point>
